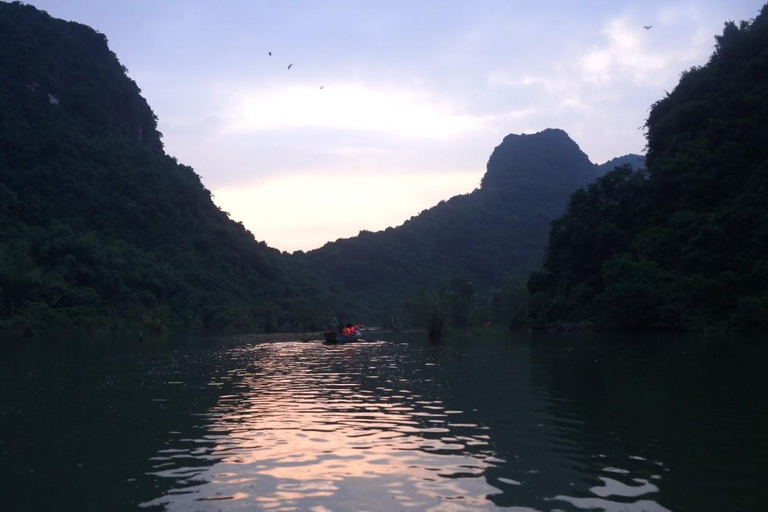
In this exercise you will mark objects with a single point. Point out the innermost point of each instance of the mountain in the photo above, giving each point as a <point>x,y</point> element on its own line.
<point>98,226</point>
<point>685,244</point>
<point>636,161</point>
<point>499,229</point>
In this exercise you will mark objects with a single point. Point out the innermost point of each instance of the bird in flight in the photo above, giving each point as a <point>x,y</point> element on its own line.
<point>322,86</point>
<point>647,27</point>
<point>289,66</point>
<point>270,54</point>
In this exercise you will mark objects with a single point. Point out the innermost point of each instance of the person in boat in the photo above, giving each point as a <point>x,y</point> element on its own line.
<point>334,327</point>
<point>350,330</point>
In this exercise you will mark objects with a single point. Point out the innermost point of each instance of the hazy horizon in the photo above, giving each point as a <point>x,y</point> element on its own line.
<point>414,96</point>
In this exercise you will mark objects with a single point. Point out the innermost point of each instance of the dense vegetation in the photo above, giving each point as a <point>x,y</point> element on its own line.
<point>98,226</point>
<point>685,245</point>
<point>496,231</point>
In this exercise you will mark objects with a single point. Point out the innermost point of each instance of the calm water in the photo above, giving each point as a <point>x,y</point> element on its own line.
<point>499,420</point>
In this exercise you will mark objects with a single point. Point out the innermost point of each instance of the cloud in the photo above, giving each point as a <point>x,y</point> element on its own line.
<point>679,38</point>
<point>627,53</point>
<point>306,210</point>
<point>502,78</point>
<point>411,114</point>
<point>354,151</point>
<point>600,82</point>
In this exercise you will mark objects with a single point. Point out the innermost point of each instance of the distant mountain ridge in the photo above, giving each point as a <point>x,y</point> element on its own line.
<point>521,155</point>
<point>636,161</point>
<point>497,230</point>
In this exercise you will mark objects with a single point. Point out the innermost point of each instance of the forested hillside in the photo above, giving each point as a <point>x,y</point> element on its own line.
<point>500,229</point>
<point>98,226</point>
<point>685,245</point>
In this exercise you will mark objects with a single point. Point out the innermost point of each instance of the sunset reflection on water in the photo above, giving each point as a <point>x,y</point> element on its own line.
<point>525,422</point>
<point>315,427</point>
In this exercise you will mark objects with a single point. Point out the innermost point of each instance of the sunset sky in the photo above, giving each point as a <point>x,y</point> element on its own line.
<point>415,94</point>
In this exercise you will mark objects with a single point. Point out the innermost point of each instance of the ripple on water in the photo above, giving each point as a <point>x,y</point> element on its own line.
<point>625,493</point>
<point>306,431</point>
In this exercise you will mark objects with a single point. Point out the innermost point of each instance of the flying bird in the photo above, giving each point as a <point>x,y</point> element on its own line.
<point>289,65</point>
<point>322,86</point>
<point>270,54</point>
<point>647,27</point>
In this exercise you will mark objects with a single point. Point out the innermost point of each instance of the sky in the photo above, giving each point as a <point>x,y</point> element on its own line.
<point>389,106</point>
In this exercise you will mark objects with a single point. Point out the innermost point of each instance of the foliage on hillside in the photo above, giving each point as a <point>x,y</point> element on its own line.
<point>97,225</point>
<point>684,246</point>
<point>498,230</point>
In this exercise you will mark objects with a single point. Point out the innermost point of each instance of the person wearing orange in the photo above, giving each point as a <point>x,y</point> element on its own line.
<point>349,330</point>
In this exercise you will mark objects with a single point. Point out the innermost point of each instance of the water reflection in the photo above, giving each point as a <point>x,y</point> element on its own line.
<point>524,423</point>
<point>657,427</point>
<point>348,427</point>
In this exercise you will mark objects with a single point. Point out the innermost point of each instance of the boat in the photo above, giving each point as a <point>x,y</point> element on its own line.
<point>335,337</point>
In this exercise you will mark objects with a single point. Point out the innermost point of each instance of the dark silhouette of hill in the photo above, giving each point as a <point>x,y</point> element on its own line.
<point>685,245</point>
<point>499,229</point>
<point>99,226</point>
<point>636,161</point>
<point>97,223</point>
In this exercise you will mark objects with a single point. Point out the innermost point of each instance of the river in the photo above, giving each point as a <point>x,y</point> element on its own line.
<point>495,419</point>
